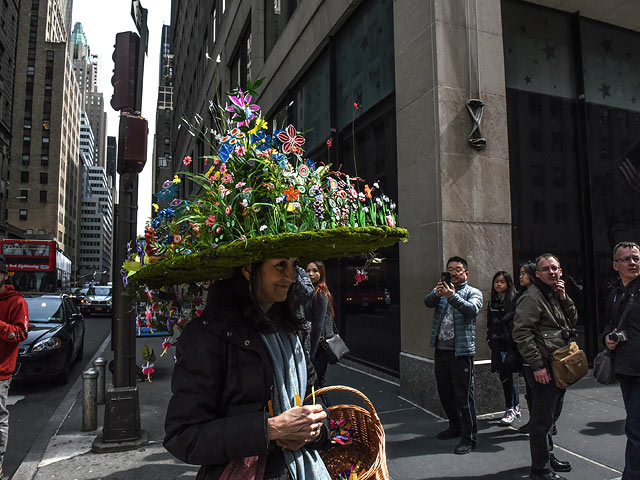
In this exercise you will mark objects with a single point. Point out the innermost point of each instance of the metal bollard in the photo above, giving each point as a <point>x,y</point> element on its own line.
<point>99,364</point>
<point>89,406</point>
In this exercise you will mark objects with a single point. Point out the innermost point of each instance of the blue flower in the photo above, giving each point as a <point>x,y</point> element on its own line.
<point>310,163</point>
<point>262,141</point>
<point>224,151</point>
<point>281,159</point>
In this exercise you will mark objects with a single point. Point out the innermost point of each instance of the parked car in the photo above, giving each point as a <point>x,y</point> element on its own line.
<point>55,340</point>
<point>97,300</point>
<point>78,295</point>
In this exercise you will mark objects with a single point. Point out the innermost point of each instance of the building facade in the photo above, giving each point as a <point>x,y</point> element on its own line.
<point>8,39</point>
<point>500,126</point>
<point>162,159</point>
<point>85,65</point>
<point>96,226</point>
<point>45,172</point>
<point>112,159</point>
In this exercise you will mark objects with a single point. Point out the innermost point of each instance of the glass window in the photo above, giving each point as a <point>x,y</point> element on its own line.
<point>43,196</point>
<point>44,178</point>
<point>276,16</point>
<point>22,213</point>
<point>24,177</point>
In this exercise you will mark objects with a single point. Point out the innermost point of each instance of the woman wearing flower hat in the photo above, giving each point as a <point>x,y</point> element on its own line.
<point>241,373</point>
<point>239,380</point>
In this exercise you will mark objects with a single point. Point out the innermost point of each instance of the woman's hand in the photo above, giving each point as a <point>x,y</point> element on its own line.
<point>296,427</point>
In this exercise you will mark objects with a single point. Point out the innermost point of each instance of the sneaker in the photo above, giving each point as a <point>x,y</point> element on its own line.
<point>509,417</point>
<point>517,412</point>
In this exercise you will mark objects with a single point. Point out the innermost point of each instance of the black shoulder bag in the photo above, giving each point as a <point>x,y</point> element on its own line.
<point>333,345</point>
<point>603,364</point>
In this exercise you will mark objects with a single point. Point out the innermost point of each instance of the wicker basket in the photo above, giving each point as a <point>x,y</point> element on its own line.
<point>369,449</point>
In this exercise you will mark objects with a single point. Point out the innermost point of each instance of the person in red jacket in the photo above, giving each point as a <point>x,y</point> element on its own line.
<point>14,322</point>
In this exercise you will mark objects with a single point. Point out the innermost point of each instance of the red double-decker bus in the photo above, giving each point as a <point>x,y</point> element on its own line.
<point>36,265</point>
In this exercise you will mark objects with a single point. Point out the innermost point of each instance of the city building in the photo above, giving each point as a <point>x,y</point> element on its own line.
<point>85,65</point>
<point>502,128</point>
<point>112,160</point>
<point>86,140</point>
<point>96,226</point>
<point>43,196</point>
<point>8,38</point>
<point>162,160</point>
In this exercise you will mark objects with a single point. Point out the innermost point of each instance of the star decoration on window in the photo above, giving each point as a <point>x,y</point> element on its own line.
<point>527,79</point>
<point>605,90</point>
<point>550,51</point>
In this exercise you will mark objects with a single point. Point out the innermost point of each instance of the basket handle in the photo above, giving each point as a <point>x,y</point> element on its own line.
<point>343,388</point>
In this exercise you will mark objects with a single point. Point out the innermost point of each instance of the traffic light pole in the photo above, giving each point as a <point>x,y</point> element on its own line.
<point>124,311</point>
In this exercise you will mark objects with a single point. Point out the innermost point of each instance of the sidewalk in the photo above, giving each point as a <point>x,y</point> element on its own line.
<point>590,436</point>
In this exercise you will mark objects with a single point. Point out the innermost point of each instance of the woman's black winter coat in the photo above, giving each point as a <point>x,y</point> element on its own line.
<point>500,314</point>
<point>221,384</point>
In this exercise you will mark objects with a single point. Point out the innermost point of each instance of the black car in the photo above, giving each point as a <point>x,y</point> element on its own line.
<point>55,340</point>
<point>78,295</point>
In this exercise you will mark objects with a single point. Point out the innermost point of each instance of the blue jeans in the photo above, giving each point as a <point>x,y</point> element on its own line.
<point>630,387</point>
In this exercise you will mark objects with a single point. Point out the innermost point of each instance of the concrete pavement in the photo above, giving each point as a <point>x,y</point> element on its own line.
<point>591,436</point>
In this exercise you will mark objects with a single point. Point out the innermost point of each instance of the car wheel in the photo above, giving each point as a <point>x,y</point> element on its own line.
<point>63,377</point>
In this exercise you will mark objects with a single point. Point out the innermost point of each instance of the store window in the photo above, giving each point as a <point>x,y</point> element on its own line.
<point>573,117</point>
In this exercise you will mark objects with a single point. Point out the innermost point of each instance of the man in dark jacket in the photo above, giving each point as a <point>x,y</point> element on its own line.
<point>14,321</point>
<point>624,342</point>
<point>453,335</point>
<point>545,316</point>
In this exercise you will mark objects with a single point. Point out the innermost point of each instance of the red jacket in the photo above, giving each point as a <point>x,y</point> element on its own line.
<point>14,322</point>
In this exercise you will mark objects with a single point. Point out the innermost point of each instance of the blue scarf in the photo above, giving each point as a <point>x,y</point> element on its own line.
<point>290,375</point>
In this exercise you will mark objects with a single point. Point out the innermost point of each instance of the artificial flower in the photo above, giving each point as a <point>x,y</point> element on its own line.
<point>290,138</point>
<point>187,160</point>
<point>291,193</point>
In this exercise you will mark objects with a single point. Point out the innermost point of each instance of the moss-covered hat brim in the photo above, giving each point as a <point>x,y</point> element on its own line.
<point>218,263</point>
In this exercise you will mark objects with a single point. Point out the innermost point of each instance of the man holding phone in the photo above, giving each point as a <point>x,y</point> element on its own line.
<point>544,322</point>
<point>453,335</point>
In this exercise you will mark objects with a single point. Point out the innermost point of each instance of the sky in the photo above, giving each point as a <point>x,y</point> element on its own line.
<point>101,22</point>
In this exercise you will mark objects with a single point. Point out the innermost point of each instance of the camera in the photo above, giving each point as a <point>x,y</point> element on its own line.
<point>568,333</point>
<point>618,337</point>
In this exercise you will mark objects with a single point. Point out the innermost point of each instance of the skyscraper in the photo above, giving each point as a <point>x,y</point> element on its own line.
<point>8,38</point>
<point>85,65</point>
<point>162,160</point>
<point>43,197</point>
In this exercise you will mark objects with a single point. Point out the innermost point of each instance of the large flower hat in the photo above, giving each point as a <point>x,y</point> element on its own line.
<point>258,198</point>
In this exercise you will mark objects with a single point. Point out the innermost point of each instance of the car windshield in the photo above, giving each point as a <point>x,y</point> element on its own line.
<point>100,291</point>
<point>44,310</point>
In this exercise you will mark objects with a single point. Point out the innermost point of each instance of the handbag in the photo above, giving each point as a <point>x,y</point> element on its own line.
<point>569,365</point>
<point>603,363</point>
<point>248,468</point>
<point>603,368</point>
<point>334,348</point>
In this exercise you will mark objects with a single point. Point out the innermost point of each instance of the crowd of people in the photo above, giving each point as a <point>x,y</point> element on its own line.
<point>525,327</point>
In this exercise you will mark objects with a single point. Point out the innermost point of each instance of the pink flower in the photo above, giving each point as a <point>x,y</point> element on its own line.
<point>391,221</point>
<point>329,143</point>
<point>187,160</point>
<point>246,190</point>
<point>240,150</point>
<point>211,221</point>
<point>223,168</point>
<point>227,178</point>
<point>240,184</point>
<point>216,160</point>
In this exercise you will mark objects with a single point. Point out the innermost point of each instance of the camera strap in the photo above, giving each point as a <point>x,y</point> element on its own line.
<point>627,307</point>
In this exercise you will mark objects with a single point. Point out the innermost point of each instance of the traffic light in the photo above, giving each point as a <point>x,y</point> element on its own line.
<point>125,71</point>
<point>132,143</point>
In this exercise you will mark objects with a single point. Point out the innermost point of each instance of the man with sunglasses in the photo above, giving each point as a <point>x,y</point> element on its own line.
<point>545,316</point>
<point>623,339</point>
<point>453,335</point>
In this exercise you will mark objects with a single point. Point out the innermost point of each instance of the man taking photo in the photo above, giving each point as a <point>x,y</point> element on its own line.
<point>14,322</point>
<point>545,317</point>
<point>453,335</point>
<point>623,339</point>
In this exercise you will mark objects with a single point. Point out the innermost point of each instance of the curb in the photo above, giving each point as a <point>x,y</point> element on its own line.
<point>29,466</point>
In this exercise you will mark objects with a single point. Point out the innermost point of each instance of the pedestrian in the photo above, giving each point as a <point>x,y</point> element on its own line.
<point>624,342</point>
<point>321,319</point>
<point>453,333</point>
<point>14,323</point>
<point>238,406</point>
<point>544,322</point>
<point>505,358</point>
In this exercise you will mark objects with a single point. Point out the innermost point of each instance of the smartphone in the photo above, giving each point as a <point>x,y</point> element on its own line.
<point>445,277</point>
